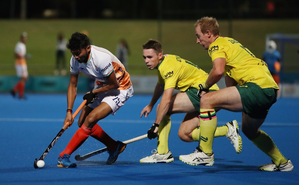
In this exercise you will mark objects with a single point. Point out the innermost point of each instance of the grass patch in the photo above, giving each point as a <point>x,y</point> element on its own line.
<point>178,37</point>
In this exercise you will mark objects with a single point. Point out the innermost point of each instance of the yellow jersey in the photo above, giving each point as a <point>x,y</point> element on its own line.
<point>181,74</point>
<point>241,64</point>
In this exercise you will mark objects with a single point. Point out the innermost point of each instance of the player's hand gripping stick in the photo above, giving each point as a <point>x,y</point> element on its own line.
<point>57,136</point>
<point>151,134</point>
<point>89,97</point>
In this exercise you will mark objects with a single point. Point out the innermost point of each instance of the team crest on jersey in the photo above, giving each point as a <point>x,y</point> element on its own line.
<point>213,49</point>
<point>168,75</point>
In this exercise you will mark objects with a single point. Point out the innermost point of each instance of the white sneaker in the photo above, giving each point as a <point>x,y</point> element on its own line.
<point>287,167</point>
<point>198,157</point>
<point>158,158</point>
<point>234,136</point>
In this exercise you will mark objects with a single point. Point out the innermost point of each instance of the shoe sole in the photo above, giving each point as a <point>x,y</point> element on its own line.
<point>62,166</point>
<point>196,164</point>
<point>163,161</point>
<point>266,170</point>
<point>290,168</point>
<point>239,150</point>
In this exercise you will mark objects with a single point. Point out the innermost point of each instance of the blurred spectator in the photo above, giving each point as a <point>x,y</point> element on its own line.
<point>122,52</point>
<point>272,57</point>
<point>21,66</point>
<point>60,55</point>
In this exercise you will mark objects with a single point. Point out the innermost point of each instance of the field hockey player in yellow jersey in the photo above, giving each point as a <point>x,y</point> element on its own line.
<point>250,90</point>
<point>175,72</point>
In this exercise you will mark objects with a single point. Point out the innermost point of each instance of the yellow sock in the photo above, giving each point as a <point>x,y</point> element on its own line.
<point>208,124</point>
<point>164,130</point>
<point>196,134</point>
<point>264,142</point>
<point>220,131</point>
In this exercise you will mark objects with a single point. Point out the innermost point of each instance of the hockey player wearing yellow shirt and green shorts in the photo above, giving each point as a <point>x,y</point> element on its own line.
<point>177,73</point>
<point>250,90</point>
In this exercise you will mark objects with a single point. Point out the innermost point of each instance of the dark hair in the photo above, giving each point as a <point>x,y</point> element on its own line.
<point>153,44</point>
<point>78,41</point>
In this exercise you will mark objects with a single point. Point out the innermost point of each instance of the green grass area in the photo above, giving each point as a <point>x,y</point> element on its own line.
<point>177,37</point>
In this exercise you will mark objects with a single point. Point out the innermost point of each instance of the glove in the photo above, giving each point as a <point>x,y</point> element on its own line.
<point>150,133</point>
<point>202,87</point>
<point>89,97</point>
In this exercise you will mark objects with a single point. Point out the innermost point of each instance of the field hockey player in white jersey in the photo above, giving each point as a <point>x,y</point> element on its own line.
<point>112,88</point>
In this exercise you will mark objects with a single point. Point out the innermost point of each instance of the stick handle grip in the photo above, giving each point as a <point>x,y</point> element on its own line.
<point>135,139</point>
<point>76,113</point>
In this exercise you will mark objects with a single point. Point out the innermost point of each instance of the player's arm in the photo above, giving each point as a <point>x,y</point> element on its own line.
<point>215,75</point>
<point>111,85</point>
<point>157,94</point>
<point>164,105</point>
<point>71,96</point>
<point>162,110</point>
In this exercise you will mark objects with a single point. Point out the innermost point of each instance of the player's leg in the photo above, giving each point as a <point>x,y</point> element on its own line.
<point>23,81</point>
<point>256,102</point>
<point>264,142</point>
<point>163,154</point>
<point>99,113</point>
<point>190,130</point>
<point>108,103</point>
<point>77,140</point>
<point>227,98</point>
<point>17,87</point>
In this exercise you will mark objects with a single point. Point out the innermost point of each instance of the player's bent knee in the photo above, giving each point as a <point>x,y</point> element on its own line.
<point>184,137</point>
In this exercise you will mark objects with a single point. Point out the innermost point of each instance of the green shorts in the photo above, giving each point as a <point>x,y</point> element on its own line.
<point>192,94</point>
<point>255,100</point>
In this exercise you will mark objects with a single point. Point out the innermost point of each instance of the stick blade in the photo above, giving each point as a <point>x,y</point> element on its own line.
<point>35,163</point>
<point>78,158</point>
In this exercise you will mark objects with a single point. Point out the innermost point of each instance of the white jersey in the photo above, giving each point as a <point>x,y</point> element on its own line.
<point>20,49</point>
<point>101,63</point>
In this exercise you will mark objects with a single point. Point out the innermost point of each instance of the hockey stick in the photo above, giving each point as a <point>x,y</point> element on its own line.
<point>57,136</point>
<point>96,152</point>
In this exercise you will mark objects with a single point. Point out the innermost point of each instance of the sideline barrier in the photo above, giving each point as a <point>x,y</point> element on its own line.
<point>45,84</point>
<point>141,84</point>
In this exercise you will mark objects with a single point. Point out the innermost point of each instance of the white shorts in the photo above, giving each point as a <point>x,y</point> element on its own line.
<point>115,99</point>
<point>21,71</point>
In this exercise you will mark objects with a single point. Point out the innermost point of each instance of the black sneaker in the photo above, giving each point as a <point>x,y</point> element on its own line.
<point>113,154</point>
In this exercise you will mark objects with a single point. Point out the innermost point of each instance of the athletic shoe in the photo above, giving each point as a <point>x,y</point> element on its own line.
<point>158,158</point>
<point>234,136</point>
<point>288,166</point>
<point>198,157</point>
<point>65,162</point>
<point>113,154</point>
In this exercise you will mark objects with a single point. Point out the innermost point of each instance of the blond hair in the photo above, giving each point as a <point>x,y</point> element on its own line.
<point>208,23</point>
